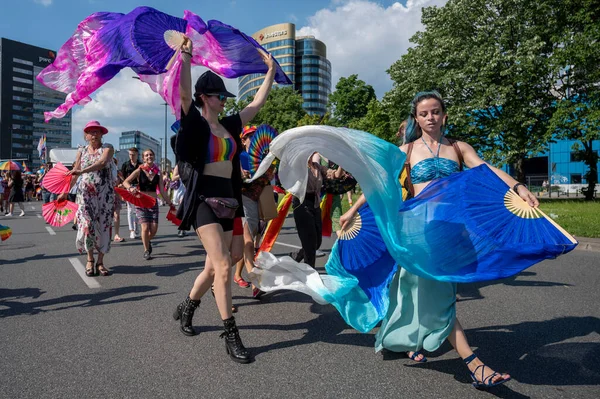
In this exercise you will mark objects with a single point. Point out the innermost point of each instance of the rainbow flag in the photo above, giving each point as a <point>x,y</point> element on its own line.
<point>274,226</point>
<point>5,232</point>
<point>326,221</point>
<point>41,147</point>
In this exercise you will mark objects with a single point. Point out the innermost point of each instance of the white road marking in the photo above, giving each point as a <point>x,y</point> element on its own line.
<point>80,269</point>
<point>32,208</point>
<point>52,232</point>
<point>287,245</point>
<point>39,216</point>
<point>318,254</point>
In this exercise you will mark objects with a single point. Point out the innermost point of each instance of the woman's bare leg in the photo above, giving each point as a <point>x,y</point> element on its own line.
<point>216,244</point>
<point>458,339</point>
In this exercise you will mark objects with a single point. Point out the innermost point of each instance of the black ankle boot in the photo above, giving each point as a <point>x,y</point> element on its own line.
<point>233,343</point>
<point>185,312</point>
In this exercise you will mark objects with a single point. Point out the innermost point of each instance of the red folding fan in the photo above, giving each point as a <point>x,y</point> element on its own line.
<point>58,213</point>
<point>56,180</point>
<point>138,199</point>
<point>172,216</point>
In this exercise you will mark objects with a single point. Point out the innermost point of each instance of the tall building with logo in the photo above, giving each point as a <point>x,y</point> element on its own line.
<point>303,59</point>
<point>141,141</point>
<point>23,101</point>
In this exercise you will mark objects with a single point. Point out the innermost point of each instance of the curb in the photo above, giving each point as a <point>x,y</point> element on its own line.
<point>588,244</point>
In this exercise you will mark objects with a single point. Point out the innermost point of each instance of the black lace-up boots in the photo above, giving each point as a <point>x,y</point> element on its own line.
<point>185,313</point>
<point>233,343</point>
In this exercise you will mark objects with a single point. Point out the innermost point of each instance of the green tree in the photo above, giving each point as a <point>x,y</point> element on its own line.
<point>576,71</point>
<point>282,110</point>
<point>233,106</point>
<point>490,60</point>
<point>350,99</point>
<point>377,122</point>
<point>316,120</point>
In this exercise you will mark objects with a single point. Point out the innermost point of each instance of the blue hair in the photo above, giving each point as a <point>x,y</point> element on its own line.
<point>413,131</point>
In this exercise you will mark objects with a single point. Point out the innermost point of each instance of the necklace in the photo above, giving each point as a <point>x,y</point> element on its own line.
<point>437,154</point>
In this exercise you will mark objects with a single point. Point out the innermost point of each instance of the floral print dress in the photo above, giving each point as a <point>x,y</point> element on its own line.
<point>96,200</point>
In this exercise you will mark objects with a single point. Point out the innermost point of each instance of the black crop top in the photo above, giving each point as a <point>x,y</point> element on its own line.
<point>147,184</point>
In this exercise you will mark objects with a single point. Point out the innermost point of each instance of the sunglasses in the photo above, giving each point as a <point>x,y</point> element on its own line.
<point>221,97</point>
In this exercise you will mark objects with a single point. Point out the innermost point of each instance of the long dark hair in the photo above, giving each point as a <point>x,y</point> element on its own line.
<point>412,131</point>
<point>17,176</point>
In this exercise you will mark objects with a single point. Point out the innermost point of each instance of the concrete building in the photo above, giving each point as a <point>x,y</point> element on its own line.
<point>303,59</point>
<point>23,101</point>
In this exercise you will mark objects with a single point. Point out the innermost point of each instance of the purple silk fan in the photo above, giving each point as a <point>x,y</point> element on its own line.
<point>104,43</point>
<point>147,37</point>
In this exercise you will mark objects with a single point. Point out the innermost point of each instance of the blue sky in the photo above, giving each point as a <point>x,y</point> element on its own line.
<point>362,36</point>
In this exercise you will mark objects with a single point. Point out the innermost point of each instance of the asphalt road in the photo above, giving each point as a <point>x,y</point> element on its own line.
<point>61,338</point>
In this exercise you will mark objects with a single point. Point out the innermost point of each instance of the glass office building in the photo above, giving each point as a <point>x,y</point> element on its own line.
<point>303,59</point>
<point>23,101</point>
<point>313,74</point>
<point>141,141</point>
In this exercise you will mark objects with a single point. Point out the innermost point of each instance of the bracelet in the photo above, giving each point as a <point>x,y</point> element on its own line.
<point>516,186</point>
<point>187,52</point>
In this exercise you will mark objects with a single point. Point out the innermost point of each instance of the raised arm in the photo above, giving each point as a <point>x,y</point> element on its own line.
<point>175,175</point>
<point>248,113</point>
<point>185,76</point>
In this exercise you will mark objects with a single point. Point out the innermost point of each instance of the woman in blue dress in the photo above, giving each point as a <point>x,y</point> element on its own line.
<point>422,312</point>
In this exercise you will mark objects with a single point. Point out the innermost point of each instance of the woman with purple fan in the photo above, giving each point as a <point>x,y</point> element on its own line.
<point>430,155</point>
<point>209,152</point>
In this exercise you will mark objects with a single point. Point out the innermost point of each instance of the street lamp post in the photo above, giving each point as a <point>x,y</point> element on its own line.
<point>163,163</point>
<point>166,141</point>
<point>166,106</point>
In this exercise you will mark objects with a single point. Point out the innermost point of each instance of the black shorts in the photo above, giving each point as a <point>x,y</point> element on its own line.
<point>212,186</point>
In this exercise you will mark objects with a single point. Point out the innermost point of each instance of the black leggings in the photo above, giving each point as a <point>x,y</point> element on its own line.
<point>212,186</point>
<point>309,226</point>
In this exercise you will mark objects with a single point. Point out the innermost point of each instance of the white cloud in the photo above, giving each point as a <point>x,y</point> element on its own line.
<point>125,103</point>
<point>45,3</point>
<point>366,38</point>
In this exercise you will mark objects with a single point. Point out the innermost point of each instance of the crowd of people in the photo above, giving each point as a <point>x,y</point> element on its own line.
<point>17,187</point>
<point>209,191</point>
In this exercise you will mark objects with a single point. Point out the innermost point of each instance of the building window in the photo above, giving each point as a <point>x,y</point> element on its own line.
<point>576,179</point>
<point>23,71</point>
<point>23,89</point>
<point>22,80</point>
<point>574,157</point>
<point>24,99</point>
<point>20,61</point>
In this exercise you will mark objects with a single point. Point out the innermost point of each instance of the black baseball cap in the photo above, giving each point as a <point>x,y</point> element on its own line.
<point>210,83</point>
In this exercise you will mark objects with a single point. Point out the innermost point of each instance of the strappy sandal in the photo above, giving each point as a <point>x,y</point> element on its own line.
<point>90,271</point>
<point>102,270</point>
<point>415,355</point>
<point>484,382</point>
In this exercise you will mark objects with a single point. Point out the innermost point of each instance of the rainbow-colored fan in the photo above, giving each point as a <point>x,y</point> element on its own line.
<point>5,232</point>
<point>259,145</point>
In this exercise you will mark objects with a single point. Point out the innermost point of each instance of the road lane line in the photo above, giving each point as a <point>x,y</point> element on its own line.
<point>52,232</point>
<point>287,245</point>
<point>319,252</point>
<point>32,208</point>
<point>80,269</point>
<point>39,216</point>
